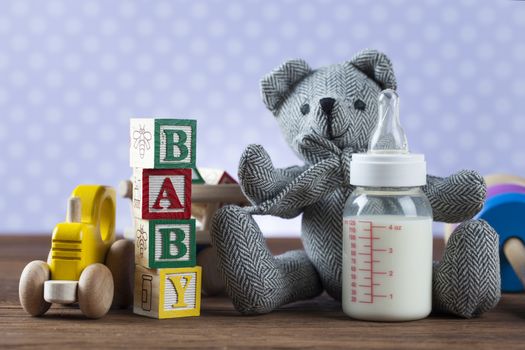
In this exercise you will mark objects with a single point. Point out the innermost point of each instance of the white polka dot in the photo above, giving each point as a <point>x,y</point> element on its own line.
<point>34,132</point>
<point>16,149</point>
<point>270,47</point>
<point>106,169</point>
<point>359,30</point>
<point>306,47</point>
<point>289,30</point>
<point>216,100</point>
<point>466,140</point>
<point>485,122</point>
<point>107,98</point>
<point>14,222</point>
<point>234,46</point>
<point>19,43</point>
<point>324,30</point>
<point>252,64</point>
<point>518,88</point>
<point>503,105</point>
<point>413,50</point>
<point>485,15</point>
<point>467,33</point>
<point>253,29</point>
<point>144,62</point>
<point>87,151</point>
<point>449,51</point>
<point>36,60</point>
<point>432,68</point>
<point>449,86</point>
<point>144,99</point>
<point>71,132</point>
<point>55,44</point>
<point>15,185</point>
<point>128,9</point>
<point>91,8</point>
<point>180,63</point>
<point>18,114</point>
<point>19,8</point>
<point>108,62</point>
<point>448,157</point>
<point>162,45</point>
<point>163,10</point>
<point>414,14</point>
<point>69,168</point>
<point>396,31</point>
<point>518,51</point>
<point>467,69</point>
<point>216,64</point>
<point>72,97</point>
<point>342,12</point>
<point>161,81</point>
<point>234,82</point>
<point>235,11</point>
<point>432,32</point>
<point>180,100</point>
<point>449,122</point>
<point>483,158</point>
<point>72,61</point>
<point>52,151</point>
<point>73,26</point>
<point>485,51</point>
<point>198,81</point>
<point>199,46</point>
<point>35,97</point>
<point>306,11</point>
<point>467,104</point>
<point>37,25</point>
<point>91,44</point>
<point>217,28</point>
<point>5,25</point>
<point>503,69</point>
<point>126,80</point>
<point>450,15</point>
<point>144,27</point>
<point>33,204</point>
<point>502,141</point>
<point>55,8</point>
<point>54,79</point>
<point>53,115</point>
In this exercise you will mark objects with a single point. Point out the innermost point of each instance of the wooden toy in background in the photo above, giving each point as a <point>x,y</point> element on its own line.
<point>162,154</point>
<point>85,264</point>
<point>503,210</point>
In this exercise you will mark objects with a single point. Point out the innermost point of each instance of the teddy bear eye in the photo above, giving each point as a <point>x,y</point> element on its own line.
<point>360,105</point>
<point>305,109</point>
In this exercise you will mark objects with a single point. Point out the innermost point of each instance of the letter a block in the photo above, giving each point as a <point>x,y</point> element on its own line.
<point>165,243</point>
<point>167,293</point>
<point>162,193</point>
<point>162,143</point>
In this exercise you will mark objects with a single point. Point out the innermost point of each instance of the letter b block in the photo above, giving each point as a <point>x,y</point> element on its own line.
<point>165,243</point>
<point>162,193</point>
<point>162,143</point>
<point>167,293</point>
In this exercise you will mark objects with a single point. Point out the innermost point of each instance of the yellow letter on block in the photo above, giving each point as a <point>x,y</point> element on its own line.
<point>167,293</point>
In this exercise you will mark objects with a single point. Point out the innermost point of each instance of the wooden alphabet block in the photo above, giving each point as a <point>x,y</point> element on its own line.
<point>162,193</point>
<point>165,243</point>
<point>162,143</point>
<point>167,293</point>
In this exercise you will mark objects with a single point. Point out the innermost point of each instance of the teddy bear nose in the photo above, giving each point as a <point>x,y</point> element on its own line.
<point>327,104</point>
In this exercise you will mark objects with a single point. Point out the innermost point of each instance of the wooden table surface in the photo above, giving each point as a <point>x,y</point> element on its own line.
<point>318,323</point>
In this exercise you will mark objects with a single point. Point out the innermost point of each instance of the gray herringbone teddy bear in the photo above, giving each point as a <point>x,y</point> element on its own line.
<point>326,115</point>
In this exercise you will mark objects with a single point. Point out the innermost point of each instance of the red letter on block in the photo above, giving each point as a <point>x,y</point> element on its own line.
<point>166,193</point>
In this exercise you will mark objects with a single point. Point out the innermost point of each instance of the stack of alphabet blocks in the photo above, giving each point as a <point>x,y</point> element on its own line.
<point>162,155</point>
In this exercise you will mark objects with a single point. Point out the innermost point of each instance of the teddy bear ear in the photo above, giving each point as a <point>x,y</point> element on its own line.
<point>377,66</point>
<point>281,80</point>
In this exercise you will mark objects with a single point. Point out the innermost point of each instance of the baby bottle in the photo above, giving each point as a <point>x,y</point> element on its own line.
<point>387,227</point>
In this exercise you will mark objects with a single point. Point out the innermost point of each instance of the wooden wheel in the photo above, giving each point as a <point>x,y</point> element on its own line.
<point>121,262</point>
<point>31,288</point>
<point>95,291</point>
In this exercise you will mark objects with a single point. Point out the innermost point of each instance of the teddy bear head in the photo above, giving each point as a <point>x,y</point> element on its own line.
<point>337,103</point>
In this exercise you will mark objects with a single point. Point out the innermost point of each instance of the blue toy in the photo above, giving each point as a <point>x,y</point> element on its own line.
<point>506,213</point>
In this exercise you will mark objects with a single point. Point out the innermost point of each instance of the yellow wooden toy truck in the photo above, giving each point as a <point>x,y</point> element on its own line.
<point>85,264</point>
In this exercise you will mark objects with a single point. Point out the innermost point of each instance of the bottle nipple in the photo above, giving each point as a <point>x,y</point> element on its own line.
<point>388,135</point>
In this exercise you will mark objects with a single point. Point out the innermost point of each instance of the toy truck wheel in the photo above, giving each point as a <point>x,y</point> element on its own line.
<point>120,261</point>
<point>95,291</point>
<point>31,288</point>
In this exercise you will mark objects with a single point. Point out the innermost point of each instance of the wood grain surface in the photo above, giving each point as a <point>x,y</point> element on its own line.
<point>317,323</point>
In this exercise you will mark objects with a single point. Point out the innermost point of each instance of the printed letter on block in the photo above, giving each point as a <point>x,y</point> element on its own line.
<point>162,143</point>
<point>167,293</point>
<point>162,193</point>
<point>165,243</point>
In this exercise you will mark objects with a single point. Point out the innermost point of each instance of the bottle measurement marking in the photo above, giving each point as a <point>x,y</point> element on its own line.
<point>364,237</point>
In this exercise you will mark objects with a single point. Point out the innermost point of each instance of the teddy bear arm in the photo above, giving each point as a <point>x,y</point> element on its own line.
<point>456,198</point>
<point>259,179</point>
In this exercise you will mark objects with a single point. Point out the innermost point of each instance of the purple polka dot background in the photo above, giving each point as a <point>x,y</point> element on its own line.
<point>72,73</point>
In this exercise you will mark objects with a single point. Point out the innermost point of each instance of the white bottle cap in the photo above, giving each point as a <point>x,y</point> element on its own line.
<point>388,170</point>
<point>388,162</point>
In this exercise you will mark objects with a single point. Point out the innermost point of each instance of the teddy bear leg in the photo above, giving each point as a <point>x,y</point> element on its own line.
<point>256,281</point>
<point>467,280</point>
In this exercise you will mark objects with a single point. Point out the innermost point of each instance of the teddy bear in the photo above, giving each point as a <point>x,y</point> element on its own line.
<point>326,115</point>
